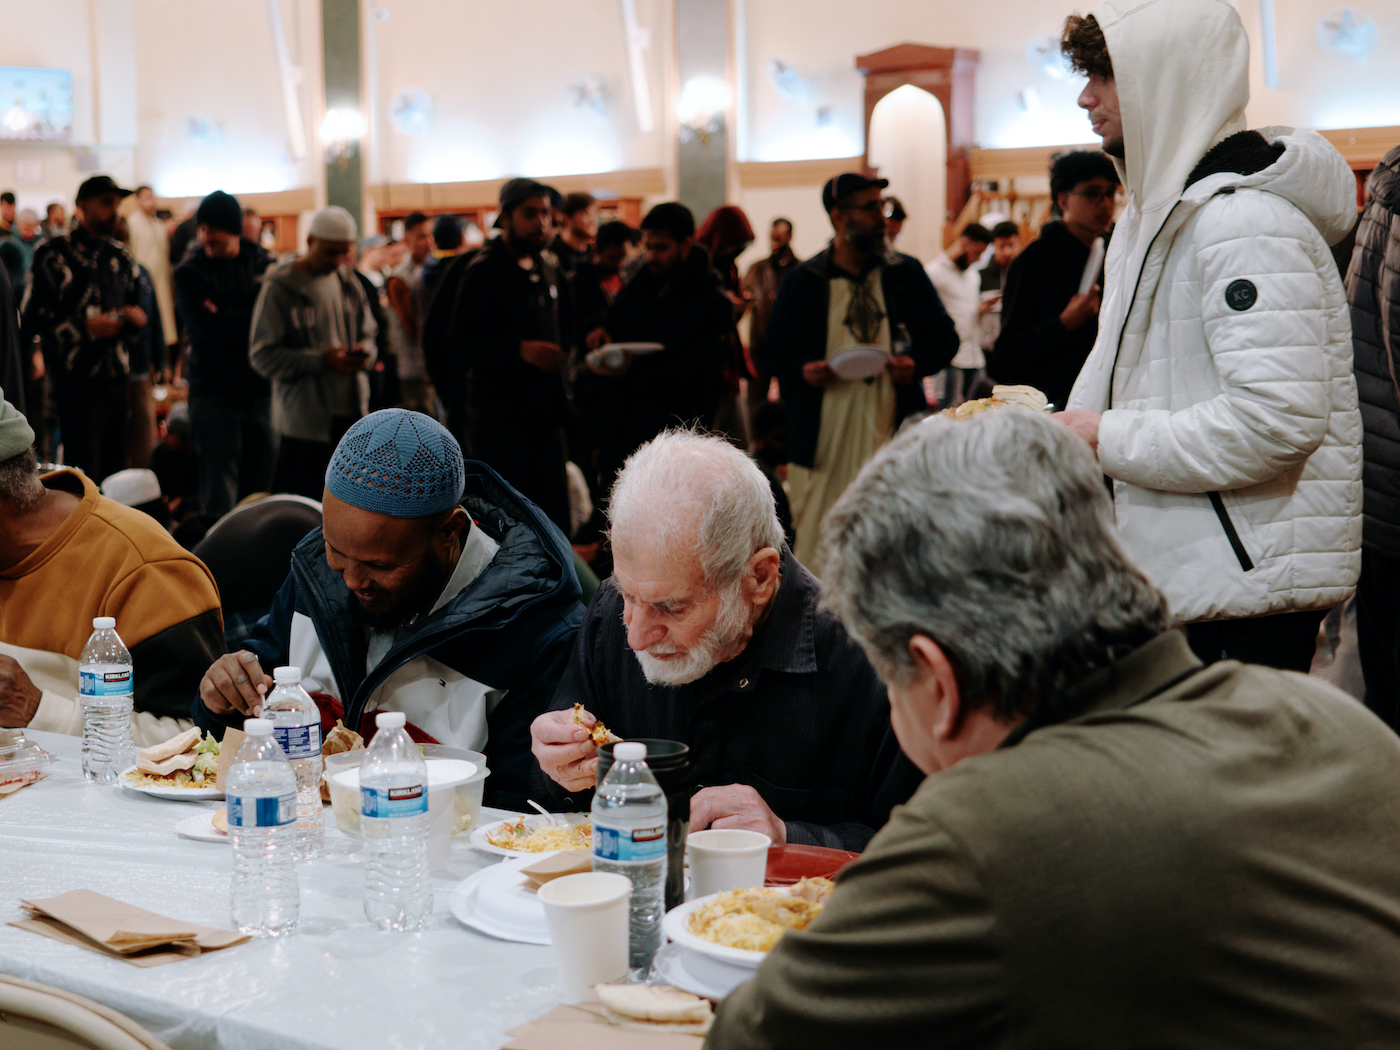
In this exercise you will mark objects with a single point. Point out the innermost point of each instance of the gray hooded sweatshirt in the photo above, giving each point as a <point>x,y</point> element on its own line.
<point>285,347</point>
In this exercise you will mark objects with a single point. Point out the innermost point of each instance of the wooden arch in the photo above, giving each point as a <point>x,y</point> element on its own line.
<point>949,75</point>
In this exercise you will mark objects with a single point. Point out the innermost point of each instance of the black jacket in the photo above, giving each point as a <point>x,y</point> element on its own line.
<point>799,715</point>
<point>219,337</point>
<point>1373,287</point>
<point>796,334</point>
<point>689,315</point>
<point>1034,348</point>
<point>511,628</point>
<point>477,366</point>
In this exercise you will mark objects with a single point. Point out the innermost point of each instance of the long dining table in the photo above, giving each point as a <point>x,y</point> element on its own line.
<point>336,983</point>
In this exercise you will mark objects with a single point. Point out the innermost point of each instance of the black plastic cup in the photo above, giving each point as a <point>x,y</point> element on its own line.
<point>669,762</point>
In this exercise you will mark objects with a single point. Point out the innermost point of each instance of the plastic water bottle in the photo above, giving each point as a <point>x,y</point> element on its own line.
<point>394,824</point>
<point>262,813</point>
<point>105,687</point>
<point>296,726</point>
<point>629,837</point>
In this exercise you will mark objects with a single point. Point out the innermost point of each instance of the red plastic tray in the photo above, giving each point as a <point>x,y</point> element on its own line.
<point>788,864</point>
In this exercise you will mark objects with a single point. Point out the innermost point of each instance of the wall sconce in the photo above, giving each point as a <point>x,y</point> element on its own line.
<point>341,131</point>
<point>703,102</point>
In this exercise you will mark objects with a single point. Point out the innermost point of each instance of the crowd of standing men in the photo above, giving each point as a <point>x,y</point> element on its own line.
<point>557,347</point>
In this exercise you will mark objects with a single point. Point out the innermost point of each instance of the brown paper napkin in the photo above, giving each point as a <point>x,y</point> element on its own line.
<point>565,862</point>
<point>583,1027</point>
<point>122,930</point>
<point>228,747</point>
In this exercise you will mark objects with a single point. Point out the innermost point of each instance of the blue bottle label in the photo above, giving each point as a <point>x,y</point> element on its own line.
<point>107,682</point>
<point>262,812</point>
<point>299,742</point>
<point>629,846</point>
<point>407,801</point>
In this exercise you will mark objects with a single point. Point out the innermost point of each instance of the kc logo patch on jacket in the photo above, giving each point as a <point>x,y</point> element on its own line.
<point>1241,295</point>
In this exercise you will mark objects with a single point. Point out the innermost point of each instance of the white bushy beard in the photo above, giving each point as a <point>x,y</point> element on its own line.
<point>731,624</point>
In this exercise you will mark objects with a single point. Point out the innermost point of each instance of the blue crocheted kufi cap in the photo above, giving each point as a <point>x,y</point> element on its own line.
<point>400,463</point>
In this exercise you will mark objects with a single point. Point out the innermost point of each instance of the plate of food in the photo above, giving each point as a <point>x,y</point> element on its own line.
<point>1023,398</point>
<point>859,362</point>
<point>533,834</point>
<point>741,927</point>
<point>184,768</point>
<point>208,825</point>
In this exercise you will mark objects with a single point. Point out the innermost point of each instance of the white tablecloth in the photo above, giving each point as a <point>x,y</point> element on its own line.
<point>337,983</point>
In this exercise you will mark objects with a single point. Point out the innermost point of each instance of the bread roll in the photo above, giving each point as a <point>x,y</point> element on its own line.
<point>176,744</point>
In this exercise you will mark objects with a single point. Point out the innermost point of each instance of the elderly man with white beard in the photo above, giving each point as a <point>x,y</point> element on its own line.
<point>709,633</point>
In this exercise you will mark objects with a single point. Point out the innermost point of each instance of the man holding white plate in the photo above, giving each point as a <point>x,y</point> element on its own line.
<point>862,304</point>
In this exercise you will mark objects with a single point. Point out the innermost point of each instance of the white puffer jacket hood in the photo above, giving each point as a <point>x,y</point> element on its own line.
<point>1223,361</point>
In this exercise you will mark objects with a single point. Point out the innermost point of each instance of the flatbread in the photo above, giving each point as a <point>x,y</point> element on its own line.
<point>220,820</point>
<point>173,764</point>
<point>176,744</point>
<point>659,1005</point>
<point>599,732</point>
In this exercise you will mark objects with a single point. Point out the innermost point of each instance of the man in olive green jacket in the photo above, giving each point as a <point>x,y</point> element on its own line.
<point>1117,847</point>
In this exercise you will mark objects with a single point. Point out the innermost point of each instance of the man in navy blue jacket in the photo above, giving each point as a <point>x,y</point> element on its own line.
<point>432,588</point>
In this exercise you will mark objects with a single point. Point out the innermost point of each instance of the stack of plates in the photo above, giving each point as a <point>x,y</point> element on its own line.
<point>501,902</point>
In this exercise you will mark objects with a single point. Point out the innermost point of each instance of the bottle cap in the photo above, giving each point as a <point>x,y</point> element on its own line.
<point>291,675</point>
<point>390,719</point>
<point>630,751</point>
<point>258,726</point>
<point>103,623</point>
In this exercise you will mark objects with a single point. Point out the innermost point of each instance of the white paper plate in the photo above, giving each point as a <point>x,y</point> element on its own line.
<point>200,827</point>
<point>496,902</point>
<point>478,836</point>
<point>173,794</point>
<point>677,965</point>
<point>634,348</point>
<point>675,927</point>
<point>859,362</point>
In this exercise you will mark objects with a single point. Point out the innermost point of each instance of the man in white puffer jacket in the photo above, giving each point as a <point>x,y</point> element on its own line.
<point>1219,394</point>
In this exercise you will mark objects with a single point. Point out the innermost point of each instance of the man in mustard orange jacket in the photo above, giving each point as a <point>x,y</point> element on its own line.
<point>68,554</point>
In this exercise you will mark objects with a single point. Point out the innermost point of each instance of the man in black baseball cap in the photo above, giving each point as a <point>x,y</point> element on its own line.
<point>83,307</point>
<point>856,294</point>
<point>840,188</point>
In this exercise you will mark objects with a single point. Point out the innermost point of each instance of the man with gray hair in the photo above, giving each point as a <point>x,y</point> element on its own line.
<point>709,634</point>
<point>1115,846</point>
<point>313,337</point>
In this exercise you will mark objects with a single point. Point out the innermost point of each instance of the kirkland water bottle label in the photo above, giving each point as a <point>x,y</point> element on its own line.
<point>105,683</point>
<point>638,845</point>
<point>299,741</point>
<point>262,812</point>
<point>393,802</point>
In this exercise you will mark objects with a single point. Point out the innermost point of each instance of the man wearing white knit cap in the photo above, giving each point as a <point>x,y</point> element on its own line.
<point>313,337</point>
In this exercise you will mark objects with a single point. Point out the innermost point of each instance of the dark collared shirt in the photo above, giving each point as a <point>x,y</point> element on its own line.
<point>799,715</point>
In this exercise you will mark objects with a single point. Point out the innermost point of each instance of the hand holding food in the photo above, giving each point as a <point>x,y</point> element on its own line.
<point>565,749</point>
<point>235,682</point>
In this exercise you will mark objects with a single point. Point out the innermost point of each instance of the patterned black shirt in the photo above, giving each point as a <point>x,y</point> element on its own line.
<point>77,276</point>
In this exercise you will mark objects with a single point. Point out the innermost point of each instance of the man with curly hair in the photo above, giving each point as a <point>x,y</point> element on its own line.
<point>1219,394</point>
